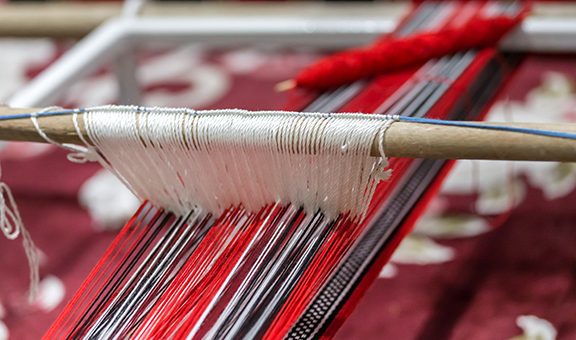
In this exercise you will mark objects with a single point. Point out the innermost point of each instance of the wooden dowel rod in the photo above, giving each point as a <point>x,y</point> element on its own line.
<point>413,140</point>
<point>59,128</point>
<point>402,139</point>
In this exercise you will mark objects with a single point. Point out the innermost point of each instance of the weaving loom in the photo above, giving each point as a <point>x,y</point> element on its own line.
<point>291,269</point>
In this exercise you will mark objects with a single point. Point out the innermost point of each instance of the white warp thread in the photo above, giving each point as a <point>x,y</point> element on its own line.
<point>182,159</point>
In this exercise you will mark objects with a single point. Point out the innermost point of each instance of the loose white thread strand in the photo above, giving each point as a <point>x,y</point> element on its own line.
<point>12,226</point>
<point>10,220</point>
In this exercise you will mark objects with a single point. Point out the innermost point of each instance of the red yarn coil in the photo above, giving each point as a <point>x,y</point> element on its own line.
<point>393,54</point>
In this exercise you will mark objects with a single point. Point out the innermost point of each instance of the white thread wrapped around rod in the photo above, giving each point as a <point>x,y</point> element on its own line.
<point>181,159</point>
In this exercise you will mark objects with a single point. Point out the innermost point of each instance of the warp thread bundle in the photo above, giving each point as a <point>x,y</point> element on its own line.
<point>184,160</point>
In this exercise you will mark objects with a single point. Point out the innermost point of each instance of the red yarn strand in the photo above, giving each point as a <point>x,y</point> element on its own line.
<point>393,54</point>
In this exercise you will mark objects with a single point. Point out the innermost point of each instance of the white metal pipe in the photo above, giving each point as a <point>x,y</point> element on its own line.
<point>320,32</point>
<point>543,34</point>
<point>535,34</point>
<point>126,71</point>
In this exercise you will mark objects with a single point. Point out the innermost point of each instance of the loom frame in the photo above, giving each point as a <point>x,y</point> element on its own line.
<point>115,40</point>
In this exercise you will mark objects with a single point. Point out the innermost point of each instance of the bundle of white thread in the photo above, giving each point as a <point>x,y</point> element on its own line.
<point>182,159</point>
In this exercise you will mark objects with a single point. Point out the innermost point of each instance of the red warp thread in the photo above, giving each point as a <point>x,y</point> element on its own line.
<point>393,54</point>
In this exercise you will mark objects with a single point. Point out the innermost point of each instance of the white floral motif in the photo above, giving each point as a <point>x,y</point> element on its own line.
<point>388,271</point>
<point>4,333</point>
<point>535,328</point>
<point>108,201</point>
<point>51,293</point>
<point>421,250</point>
<point>20,54</point>
<point>451,226</point>
<point>555,100</point>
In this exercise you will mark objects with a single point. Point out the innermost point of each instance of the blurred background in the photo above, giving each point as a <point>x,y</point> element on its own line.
<point>494,257</point>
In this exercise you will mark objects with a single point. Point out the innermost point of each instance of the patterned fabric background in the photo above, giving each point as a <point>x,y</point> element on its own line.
<point>493,258</point>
